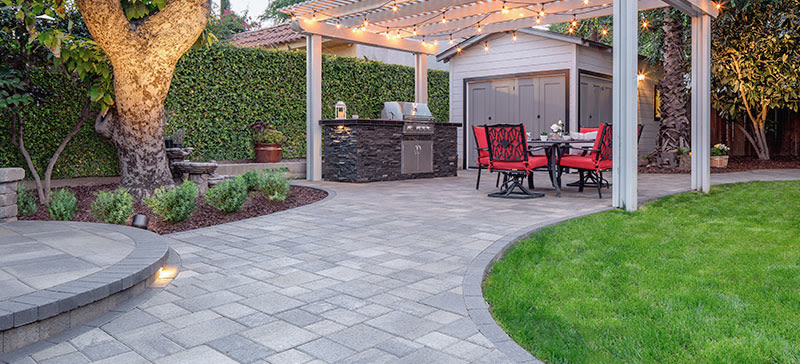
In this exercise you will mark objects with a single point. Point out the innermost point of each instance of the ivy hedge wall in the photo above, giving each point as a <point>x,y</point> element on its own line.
<point>215,94</point>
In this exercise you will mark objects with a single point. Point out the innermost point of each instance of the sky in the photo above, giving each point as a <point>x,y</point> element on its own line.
<point>254,7</point>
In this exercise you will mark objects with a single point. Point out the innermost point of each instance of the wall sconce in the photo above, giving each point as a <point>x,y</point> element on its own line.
<point>640,77</point>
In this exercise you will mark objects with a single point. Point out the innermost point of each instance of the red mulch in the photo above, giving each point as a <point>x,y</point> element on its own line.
<point>204,215</point>
<point>737,164</point>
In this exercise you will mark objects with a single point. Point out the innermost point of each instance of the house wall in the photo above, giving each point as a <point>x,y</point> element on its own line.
<point>392,56</point>
<point>507,57</point>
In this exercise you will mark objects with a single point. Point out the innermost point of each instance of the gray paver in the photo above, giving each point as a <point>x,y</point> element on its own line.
<point>382,272</point>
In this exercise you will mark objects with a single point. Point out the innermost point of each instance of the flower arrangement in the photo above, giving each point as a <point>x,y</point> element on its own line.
<point>719,150</point>
<point>558,127</point>
<point>264,133</point>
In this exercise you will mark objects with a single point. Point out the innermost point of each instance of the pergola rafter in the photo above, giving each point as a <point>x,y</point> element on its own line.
<point>416,25</point>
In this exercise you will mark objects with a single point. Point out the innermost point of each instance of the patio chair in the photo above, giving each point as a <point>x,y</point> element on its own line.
<point>589,179</point>
<point>594,163</point>
<point>509,155</point>
<point>479,132</point>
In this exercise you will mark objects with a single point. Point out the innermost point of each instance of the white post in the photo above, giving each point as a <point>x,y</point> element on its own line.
<point>421,78</point>
<point>625,104</point>
<point>701,103</point>
<point>313,107</point>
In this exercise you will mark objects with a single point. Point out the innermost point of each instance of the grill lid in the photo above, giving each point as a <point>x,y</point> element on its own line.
<point>408,111</point>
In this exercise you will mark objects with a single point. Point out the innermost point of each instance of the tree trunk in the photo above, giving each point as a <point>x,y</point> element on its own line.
<point>675,130</point>
<point>143,55</point>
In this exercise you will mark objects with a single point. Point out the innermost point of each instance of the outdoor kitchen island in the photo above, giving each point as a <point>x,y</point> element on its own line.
<point>368,150</point>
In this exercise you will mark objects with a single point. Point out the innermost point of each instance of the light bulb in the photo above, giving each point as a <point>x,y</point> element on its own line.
<point>458,49</point>
<point>505,8</point>
<point>585,2</point>
<point>366,23</point>
<point>415,30</point>
<point>514,35</point>
<point>294,17</point>
<point>394,7</point>
<point>444,18</point>
<point>480,29</point>
<point>314,16</point>
<point>605,31</point>
<point>451,39</point>
<point>538,20</point>
<point>338,24</point>
<point>644,24</point>
<point>485,46</point>
<point>541,11</point>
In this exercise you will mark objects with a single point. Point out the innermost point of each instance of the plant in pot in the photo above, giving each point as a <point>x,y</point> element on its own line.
<point>267,141</point>
<point>543,136</point>
<point>719,156</point>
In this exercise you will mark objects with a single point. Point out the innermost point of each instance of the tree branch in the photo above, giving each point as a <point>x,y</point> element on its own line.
<point>107,24</point>
<point>85,114</point>
<point>20,143</point>
<point>176,27</point>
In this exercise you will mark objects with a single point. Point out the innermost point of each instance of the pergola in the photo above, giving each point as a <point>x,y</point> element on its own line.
<point>418,26</point>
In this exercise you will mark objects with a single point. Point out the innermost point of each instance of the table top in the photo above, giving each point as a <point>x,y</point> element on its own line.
<point>559,141</point>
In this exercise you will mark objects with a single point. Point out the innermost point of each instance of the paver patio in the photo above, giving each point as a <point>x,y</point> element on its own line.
<point>373,274</point>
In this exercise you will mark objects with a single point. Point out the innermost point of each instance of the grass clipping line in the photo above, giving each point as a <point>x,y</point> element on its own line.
<point>690,278</point>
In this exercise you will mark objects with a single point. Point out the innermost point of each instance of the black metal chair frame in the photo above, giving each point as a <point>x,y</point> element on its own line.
<point>604,152</point>
<point>480,167</point>
<point>589,179</point>
<point>512,179</point>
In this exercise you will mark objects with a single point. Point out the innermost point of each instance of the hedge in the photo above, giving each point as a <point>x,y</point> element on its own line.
<point>216,93</point>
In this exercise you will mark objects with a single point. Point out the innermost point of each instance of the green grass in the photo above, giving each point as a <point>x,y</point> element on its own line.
<point>690,278</point>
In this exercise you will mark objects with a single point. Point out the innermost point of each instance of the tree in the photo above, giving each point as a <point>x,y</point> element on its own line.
<point>224,5</point>
<point>756,65</point>
<point>273,14</point>
<point>41,34</point>
<point>143,52</point>
<point>230,23</point>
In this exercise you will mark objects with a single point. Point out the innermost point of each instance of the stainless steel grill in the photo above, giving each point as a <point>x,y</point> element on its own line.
<point>407,111</point>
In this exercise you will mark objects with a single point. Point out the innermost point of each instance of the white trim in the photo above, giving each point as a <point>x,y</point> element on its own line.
<point>625,105</point>
<point>701,103</point>
<point>360,37</point>
<point>420,78</point>
<point>313,107</point>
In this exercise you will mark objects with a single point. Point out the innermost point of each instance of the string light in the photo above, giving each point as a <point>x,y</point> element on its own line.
<point>398,33</point>
<point>640,77</point>
<point>338,24</point>
<point>514,35</point>
<point>444,17</point>
<point>294,17</point>
<point>314,16</point>
<point>435,42</point>
<point>585,2</point>
<point>538,19</point>
<point>451,39</point>
<point>458,49</point>
<point>574,22</point>
<point>485,46</point>
<point>366,23</point>
<point>415,31</point>
<point>394,6</point>
<point>571,30</point>
<point>423,41</point>
<point>505,8</point>
<point>604,32</point>
<point>480,29</point>
<point>541,11</point>
<point>644,23</point>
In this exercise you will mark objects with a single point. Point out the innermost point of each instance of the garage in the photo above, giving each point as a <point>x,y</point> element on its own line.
<point>536,78</point>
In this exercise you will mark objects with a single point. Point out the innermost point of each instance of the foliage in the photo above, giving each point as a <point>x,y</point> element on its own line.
<point>113,207</point>
<point>719,150</point>
<point>216,94</point>
<point>228,196</point>
<point>276,186</point>
<point>755,61</point>
<point>229,23</point>
<point>138,9</point>
<point>691,278</point>
<point>683,150</point>
<point>264,133</point>
<point>272,14</point>
<point>26,204</point>
<point>63,205</point>
<point>176,204</point>
<point>253,179</point>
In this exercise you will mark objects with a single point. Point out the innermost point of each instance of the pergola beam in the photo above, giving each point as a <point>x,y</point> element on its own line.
<point>361,37</point>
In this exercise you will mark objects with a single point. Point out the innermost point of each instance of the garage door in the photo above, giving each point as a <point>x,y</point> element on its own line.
<point>595,101</point>
<point>537,102</point>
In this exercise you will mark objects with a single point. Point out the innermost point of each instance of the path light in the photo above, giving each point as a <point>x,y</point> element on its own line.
<point>140,221</point>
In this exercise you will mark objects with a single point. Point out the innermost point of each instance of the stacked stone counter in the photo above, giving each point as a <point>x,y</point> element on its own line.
<point>9,178</point>
<point>369,150</point>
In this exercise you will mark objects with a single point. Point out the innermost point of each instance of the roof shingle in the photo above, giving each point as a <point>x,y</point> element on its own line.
<point>267,37</point>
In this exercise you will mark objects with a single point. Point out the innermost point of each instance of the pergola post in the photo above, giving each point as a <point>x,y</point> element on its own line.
<point>701,103</point>
<point>313,107</point>
<point>421,78</point>
<point>625,97</point>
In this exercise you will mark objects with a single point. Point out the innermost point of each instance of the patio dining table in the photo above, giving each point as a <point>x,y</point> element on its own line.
<point>553,149</point>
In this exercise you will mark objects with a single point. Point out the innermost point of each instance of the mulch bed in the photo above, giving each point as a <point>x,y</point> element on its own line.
<point>737,164</point>
<point>204,215</point>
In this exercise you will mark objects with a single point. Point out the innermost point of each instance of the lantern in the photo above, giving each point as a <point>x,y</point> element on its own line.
<point>341,110</point>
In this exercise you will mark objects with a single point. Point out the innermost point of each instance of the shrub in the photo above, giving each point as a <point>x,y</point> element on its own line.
<point>276,186</point>
<point>176,204</point>
<point>113,207</point>
<point>26,204</point>
<point>62,205</point>
<point>253,179</point>
<point>228,196</point>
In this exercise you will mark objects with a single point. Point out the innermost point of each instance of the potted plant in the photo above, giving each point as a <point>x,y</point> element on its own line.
<point>558,129</point>
<point>543,136</point>
<point>684,158</point>
<point>719,156</point>
<point>267,141</point>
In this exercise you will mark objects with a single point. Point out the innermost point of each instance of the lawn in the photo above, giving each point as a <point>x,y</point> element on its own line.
<point>690,278</point>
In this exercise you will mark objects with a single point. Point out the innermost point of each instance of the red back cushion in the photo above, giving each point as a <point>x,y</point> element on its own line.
<point>480,139</point>
<point>588,130</point>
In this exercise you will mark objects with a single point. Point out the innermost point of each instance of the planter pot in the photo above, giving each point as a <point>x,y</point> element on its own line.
<point>719,161</point>
<point>543,138</point>
<point>268,153</point>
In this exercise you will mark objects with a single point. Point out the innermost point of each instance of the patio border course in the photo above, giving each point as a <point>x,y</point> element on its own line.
<point>36,316</point>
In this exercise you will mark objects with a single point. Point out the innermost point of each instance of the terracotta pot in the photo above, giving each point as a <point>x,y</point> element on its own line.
<point>719,161</point>
<point>268,153</point>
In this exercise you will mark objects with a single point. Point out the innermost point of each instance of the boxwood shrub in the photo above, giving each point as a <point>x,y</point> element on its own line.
<point>62,204</point>
<point>176,204</point>
<point>229,195</point>
<point>113,207</point>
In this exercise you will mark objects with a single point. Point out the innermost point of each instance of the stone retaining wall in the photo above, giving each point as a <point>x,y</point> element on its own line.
<point>9,178</point>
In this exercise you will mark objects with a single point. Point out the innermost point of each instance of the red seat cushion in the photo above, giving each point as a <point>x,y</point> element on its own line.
<point>483,161</point>
<point>533,162</point>
<point>584,163</point>
<point>588,130</point>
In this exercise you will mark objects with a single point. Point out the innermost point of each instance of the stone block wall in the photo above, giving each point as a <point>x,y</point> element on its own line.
<point>9,178</point>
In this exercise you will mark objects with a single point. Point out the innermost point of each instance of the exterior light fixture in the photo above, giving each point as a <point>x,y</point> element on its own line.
<point>485,46</point>
<point>640,77</point>
<point>341,110</point>
<point>505,8</point>
<point>514,35</point>
<point>140,221</point>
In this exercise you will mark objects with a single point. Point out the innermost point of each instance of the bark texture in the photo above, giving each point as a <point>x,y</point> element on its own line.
<point>143,55</point>
<point>675,129</point>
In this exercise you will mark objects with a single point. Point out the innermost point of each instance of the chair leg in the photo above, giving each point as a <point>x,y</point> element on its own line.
<point>580,181</point>
<point>497,184</point>
<point>530,179</point>
<point>478,184</point>
<point>600,184</point>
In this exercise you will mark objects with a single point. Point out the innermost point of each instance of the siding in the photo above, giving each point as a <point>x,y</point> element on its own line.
<point>528,54</point>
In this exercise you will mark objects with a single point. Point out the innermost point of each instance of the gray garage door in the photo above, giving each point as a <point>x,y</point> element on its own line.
<point>595,101</point>
<point>537,102</point>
